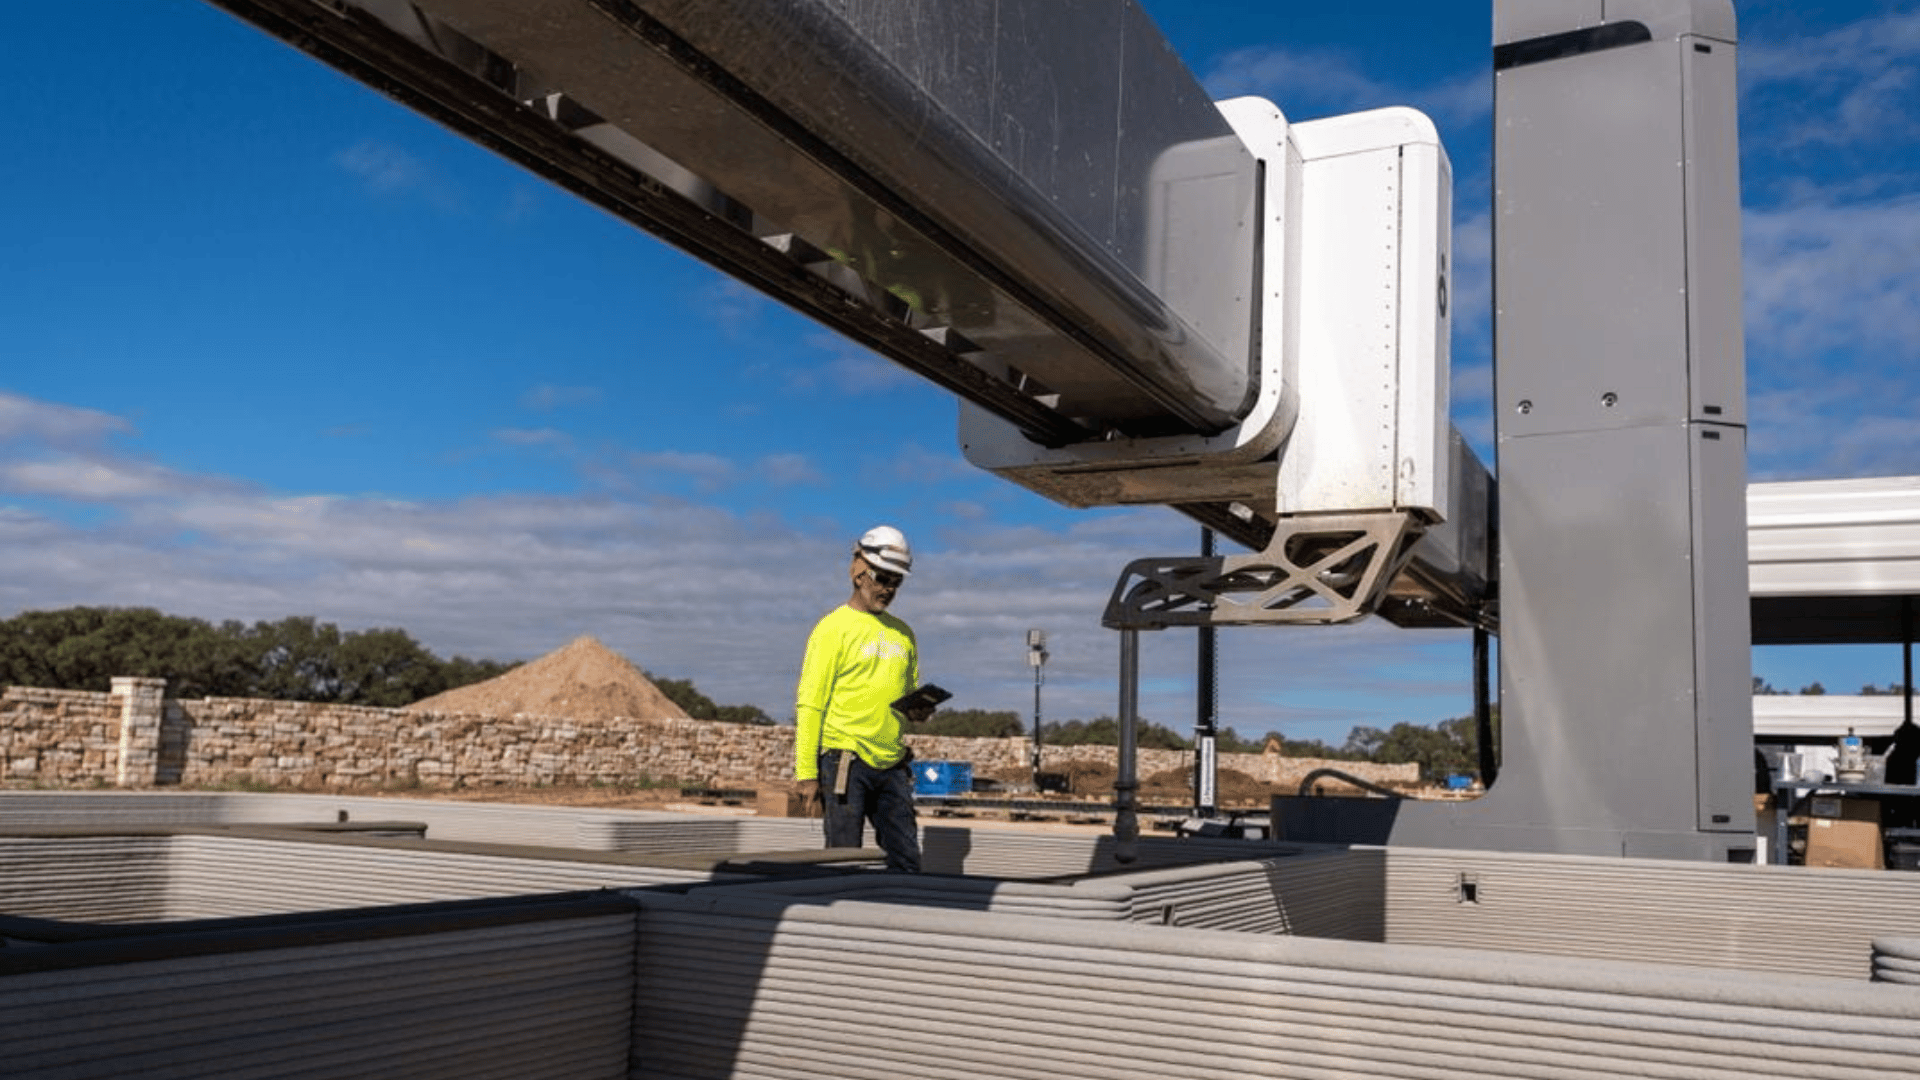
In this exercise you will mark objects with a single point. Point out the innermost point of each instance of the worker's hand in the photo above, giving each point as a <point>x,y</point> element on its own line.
<point>918,715</point>
<point>811,804</point>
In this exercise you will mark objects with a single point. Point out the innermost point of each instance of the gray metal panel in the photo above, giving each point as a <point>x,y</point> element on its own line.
<point>1716,353</point>
<point>1623,614</point>
<point>1597,650</point>
<point>1591,213</point>
<point>1722,627</point>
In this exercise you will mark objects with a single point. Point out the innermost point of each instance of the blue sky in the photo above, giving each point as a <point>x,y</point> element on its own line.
<point>273,345</point>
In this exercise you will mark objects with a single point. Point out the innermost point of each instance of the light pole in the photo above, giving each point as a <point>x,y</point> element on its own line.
<point>1206,709</point>
<point>1037,660</point>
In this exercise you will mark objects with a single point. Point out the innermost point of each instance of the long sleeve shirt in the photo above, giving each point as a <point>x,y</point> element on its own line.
<point>857,664</point>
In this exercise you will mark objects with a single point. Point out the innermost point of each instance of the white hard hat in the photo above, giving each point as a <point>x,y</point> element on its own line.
<point>885,548</point>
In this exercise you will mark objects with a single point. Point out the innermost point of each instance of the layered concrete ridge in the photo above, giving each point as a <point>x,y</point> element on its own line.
<point>226,948</point>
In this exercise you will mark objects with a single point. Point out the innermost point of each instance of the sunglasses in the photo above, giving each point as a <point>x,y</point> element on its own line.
<point>886,579</point>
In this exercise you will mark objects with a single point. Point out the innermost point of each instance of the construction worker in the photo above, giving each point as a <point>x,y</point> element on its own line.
<point>848,756</point>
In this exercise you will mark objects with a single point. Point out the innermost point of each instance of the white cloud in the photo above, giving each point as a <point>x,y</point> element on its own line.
<point>532,437</point>
<point>787,470</point>
<point>23,418</point>
<point>1825,273</point>
<point>383,167</point>
<point>850,369</point>
<point>708,472</point>
<point>733,307</point>
<point>1852,84</point>
<point>1847,423</point>
<point>1833,332</point>
<point>88,480</point>
<point>395,172</point>
<point>547,397</point>
<point>1316,83</point>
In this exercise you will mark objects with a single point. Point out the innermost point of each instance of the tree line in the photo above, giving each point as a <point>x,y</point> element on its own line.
<point>683,693</point>
<point>1444,749</point>
<point>296,658</point>
<point>1763,688</point>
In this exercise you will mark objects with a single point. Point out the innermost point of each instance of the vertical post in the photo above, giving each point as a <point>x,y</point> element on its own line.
<point>1037,660</point>
<point>1906,657</point>
<point>1036,726</point>
<point>1126,823</point>
<point>1206,710</point>
<point>1485,741</point>
<point>142,707</point>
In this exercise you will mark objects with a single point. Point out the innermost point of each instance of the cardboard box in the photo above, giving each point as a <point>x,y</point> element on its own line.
<point>1844,833</point>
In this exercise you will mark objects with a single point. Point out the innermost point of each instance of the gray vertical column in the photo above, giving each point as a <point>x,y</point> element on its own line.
<point>1626,716</point>
<point>1620,390</point>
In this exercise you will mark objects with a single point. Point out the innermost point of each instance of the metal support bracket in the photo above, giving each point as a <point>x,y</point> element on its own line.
<point>1317,569</point>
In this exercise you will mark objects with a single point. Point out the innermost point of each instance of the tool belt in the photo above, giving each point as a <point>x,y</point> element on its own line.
<point>843,767</point>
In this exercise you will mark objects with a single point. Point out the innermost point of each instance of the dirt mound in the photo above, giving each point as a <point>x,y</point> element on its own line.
<point>583,681</point>
<point>1094,780</point>
<point>1231,787</point>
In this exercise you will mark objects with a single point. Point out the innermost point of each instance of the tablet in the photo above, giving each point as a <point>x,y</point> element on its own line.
<point>926,697</point>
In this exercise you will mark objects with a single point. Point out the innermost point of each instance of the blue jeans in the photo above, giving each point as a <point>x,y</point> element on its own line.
<point>882,796</point>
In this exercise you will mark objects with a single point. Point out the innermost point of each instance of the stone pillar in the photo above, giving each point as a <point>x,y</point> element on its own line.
<point>142,707</point>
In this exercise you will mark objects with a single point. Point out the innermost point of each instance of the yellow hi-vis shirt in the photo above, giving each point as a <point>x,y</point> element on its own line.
<point>857,665</point>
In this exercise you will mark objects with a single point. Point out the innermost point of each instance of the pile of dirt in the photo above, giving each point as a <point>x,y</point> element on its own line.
<point>1094,780</point>
<point>1231,787</point>
<point>583,681</point>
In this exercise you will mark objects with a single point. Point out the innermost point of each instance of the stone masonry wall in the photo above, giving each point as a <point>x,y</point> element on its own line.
<point>136,737</point>
<point>59,737</point>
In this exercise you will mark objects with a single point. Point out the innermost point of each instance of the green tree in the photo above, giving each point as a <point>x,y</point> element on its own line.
<point>1363,743</point>
<point>84,648</point>
<point>459,671</point>
<point>973,723</point>
<point>743,714</point>
<point>297,658</point>
<point>1105,731</point>
<point>386,668</point>
<point>1440,750</point>
<point>683,693</point>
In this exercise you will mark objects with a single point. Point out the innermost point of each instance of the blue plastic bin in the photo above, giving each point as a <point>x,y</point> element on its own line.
<point>942,777</point>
